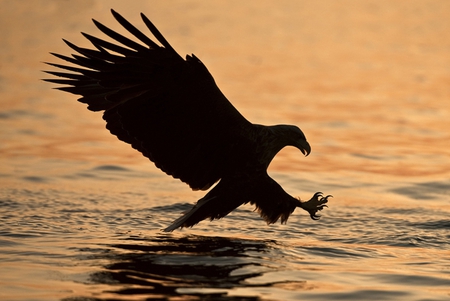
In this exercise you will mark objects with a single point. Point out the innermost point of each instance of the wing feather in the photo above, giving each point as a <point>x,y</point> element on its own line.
<point>136,32</point>
<point>168,108</point>
<point>118,37</point>
<point>158,35</point>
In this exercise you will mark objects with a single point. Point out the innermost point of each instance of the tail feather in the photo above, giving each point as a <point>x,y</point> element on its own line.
<point>193,216</point>
<point>217,203</point>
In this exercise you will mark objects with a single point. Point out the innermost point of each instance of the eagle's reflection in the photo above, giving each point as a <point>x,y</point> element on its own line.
<point>168,267</point>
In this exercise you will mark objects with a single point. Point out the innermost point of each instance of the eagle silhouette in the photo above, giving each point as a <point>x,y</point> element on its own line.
<point>171,110</point>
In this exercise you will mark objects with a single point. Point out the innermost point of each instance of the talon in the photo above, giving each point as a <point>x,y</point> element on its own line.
<point>316,203</point>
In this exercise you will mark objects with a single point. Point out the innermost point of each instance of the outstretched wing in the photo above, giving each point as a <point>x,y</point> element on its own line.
<point>168,108</point>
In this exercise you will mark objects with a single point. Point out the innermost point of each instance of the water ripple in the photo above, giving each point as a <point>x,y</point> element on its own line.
<point>182,266</point>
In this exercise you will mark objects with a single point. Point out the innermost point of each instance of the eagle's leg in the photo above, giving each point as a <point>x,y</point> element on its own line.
<point>316,203</point>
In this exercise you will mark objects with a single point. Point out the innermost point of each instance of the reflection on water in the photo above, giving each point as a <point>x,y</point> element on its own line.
<point>190,265</point>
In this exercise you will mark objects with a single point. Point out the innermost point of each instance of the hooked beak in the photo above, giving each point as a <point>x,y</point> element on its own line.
<point>304,147</point>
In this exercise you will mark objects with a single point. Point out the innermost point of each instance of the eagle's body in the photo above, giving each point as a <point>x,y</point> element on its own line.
<point>171,110</point>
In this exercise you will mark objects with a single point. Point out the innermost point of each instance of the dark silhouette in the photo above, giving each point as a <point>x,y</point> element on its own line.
<point>172,111</point>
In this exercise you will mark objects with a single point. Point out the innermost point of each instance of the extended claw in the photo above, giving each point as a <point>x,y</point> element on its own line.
<point>316,203</point>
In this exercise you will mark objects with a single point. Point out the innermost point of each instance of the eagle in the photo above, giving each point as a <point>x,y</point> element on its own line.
<point>171,110</point>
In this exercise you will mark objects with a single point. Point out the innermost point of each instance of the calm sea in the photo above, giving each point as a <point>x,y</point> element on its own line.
<point>368,82</point>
